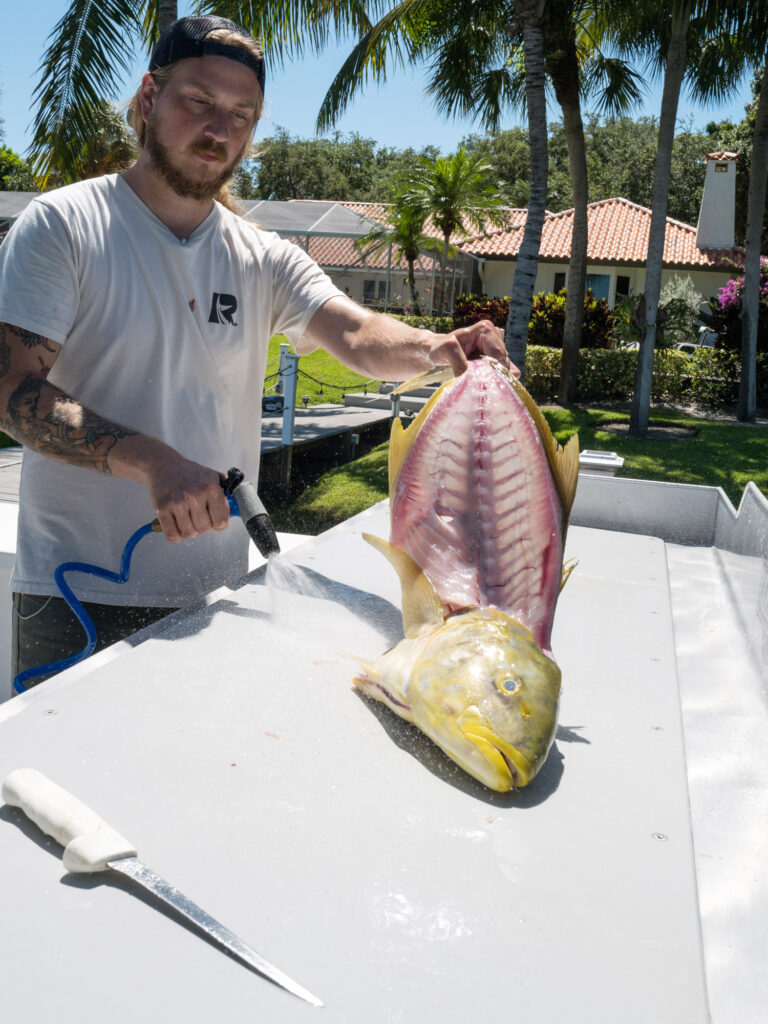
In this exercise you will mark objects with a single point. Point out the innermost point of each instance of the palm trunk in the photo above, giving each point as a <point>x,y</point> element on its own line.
<point>167,13</point>
<point>412,286</point>
<point>563,69</point>
<point>673,79</point>
<point>516,334</point>
<point>750,307</point>
<point>443,272</point>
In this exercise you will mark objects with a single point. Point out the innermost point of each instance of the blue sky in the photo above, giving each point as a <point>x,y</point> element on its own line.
<point>397,114</point>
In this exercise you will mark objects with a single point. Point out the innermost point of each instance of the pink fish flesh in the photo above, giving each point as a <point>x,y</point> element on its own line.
<point>476,507</point>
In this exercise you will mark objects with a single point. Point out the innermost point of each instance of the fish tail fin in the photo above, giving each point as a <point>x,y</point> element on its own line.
<point>421,604</point>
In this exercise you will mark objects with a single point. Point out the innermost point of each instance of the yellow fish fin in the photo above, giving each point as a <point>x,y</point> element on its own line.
<point>421,605</point>
<point>435,375</point>
<point>568,568</point>
<point>563,462</point>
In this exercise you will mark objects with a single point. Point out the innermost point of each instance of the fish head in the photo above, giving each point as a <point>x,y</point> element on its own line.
<point>483,690</point>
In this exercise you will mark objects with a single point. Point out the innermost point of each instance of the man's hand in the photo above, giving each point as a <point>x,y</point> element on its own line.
<point>379,346</point>
<point>465,343</point>
<point>188,497</point>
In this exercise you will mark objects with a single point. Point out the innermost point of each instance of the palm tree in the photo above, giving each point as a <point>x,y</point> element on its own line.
<point>673,80</point>
<point>93,46</point>
<point>404,231</point>
<point>111,147</point>
<point>529,13</point>
<point>84,62</point>
<point>576,66</point>
<point>455,192</point>
<point>460,36</point>
<point>479,66</point>
<point>758,177</point>
<point>689,39</point>
<point>751,39</point>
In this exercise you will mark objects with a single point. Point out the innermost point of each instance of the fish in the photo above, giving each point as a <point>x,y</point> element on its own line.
<point>480,494</point>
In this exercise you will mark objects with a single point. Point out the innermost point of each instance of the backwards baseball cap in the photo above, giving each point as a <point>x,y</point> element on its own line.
<point>188,37</point>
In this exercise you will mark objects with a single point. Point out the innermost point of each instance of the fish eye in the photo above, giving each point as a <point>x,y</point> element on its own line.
<point>509,683</point>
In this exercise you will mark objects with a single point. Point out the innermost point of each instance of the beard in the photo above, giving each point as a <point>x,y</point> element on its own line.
<point>181,183</point>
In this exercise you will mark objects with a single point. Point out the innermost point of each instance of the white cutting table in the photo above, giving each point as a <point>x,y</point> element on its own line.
<point>338,841</point>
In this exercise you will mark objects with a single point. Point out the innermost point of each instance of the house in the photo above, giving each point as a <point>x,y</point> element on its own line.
<point>616,253</point>
<point>11,205</point>
<point>618,243</point>
<point>617,248</point>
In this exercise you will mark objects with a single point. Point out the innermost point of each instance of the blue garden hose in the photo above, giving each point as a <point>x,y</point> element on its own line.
<point>243,501</point>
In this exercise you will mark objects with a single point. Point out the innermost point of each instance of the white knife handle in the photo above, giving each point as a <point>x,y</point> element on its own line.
<point>89,843</point>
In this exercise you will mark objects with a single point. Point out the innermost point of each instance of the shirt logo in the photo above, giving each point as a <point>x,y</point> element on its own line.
<point>223,308</point>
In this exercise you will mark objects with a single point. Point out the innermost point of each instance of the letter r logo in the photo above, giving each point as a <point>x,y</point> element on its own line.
<point>223,308</point>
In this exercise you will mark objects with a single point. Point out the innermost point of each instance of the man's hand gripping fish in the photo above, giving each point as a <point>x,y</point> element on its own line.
<point>480,495</point>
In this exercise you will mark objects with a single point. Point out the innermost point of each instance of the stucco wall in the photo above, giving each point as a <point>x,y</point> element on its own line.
<point>498,276</point>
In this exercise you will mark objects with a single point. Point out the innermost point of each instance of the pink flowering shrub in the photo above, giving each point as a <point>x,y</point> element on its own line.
<point>725,312</point>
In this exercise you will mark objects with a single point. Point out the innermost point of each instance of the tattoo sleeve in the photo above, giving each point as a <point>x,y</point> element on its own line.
<point>43,417</point>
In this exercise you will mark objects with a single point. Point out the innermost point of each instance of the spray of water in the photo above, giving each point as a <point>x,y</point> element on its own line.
<point>285,575</point>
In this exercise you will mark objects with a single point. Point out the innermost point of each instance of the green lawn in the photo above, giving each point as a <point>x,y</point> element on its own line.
<point>720,454</point>
<point>321,377</point>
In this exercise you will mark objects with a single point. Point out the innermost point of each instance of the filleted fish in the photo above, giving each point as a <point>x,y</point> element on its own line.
<point>480,495</point>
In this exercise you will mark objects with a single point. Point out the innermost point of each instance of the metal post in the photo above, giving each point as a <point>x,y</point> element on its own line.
<point>289,396</point>
<point>289,377</point>
<point>282,372</point>
<point>395,400</point>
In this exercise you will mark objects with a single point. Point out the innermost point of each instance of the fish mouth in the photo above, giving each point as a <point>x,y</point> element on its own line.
<point>493,761</point>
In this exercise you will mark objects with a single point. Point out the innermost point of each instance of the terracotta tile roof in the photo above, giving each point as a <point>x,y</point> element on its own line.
<point>721,156</point>
<point>342,253</point>
<point>339,253</point>
<point>618,233</point>
<point>379,211</point>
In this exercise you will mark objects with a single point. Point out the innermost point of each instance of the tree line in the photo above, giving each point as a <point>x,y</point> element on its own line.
<point>621,152</point>
<point>350,168</point>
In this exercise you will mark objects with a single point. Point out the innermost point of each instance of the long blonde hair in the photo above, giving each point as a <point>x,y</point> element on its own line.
<point>163,75</point>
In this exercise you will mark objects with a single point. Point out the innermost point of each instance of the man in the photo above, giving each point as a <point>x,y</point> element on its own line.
<point>135,313</point>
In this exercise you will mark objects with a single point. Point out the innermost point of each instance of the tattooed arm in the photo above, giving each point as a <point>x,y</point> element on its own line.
<point>187,496</point>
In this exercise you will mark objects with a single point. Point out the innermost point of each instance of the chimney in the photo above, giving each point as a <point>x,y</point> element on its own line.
<point>717,215</point>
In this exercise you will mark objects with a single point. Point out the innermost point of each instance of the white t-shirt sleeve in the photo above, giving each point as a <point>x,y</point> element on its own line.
<point>300,289</point>
<point>39,288</point>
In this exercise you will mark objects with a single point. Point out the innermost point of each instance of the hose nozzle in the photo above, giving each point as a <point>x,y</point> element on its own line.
<point>251,510</point>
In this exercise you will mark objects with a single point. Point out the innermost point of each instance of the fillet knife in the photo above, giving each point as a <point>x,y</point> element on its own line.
<point>91,845</point>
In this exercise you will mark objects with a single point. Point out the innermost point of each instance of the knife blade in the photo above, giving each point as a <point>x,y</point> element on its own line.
<point>91,845</point>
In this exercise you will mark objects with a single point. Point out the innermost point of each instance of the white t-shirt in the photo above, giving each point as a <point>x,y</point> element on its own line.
<point>161,336</point>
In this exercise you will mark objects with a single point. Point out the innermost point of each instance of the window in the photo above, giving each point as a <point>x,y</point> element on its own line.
<point>599,284</point>
<point>622,284</point>
<point>559,281</point>
<point>374,291</point>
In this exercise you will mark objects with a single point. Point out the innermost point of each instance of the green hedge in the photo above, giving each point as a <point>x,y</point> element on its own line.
<point>438,324</point>
<point>709,376</point>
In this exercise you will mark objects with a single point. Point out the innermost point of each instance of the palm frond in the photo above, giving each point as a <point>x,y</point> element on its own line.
<point>395,40</point>
<point>83,64</point>
<point>717,68</point>
<point>616,86</point>
<point>475,73</point>
<point>287,28</point>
